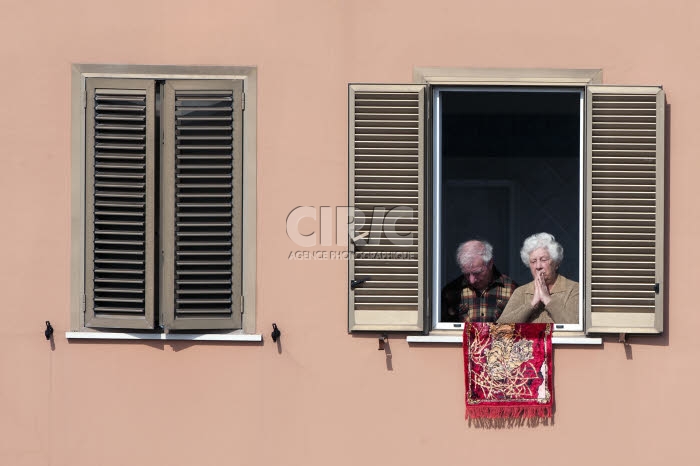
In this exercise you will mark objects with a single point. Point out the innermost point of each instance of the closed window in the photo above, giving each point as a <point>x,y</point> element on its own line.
<point>162,167</point>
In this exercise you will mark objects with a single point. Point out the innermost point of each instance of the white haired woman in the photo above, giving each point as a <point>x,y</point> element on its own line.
<point>550,297</point>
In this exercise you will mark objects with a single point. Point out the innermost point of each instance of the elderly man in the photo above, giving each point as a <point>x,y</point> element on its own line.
<point>481,293</point>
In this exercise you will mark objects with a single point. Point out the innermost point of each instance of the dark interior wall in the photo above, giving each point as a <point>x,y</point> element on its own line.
<point>511,166</point>
<point>505,208</point>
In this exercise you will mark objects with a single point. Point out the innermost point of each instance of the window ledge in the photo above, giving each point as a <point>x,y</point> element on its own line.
<point>458,339</point>
<point>163,336</point>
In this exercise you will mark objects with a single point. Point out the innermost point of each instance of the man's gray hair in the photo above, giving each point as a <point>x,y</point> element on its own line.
<point>470,250</point>
<point>541,240</point>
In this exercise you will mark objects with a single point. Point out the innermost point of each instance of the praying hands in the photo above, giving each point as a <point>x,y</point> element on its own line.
<point>541,294</point>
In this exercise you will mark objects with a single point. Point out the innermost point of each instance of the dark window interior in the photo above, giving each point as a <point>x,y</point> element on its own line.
<point>510,168</point>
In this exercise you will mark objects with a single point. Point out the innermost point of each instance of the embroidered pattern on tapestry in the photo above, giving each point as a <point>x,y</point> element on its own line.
<point>508,370</point>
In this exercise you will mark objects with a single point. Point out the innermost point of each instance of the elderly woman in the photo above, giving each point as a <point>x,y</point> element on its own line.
<point>550,297</point>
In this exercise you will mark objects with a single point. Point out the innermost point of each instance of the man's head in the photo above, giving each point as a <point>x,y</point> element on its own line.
<point>475,259</point>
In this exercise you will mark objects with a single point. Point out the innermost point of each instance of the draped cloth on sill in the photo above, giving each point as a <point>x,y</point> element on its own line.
<point>508,370</point>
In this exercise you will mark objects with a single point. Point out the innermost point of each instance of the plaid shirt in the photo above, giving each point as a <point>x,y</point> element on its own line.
<point>462,303</point>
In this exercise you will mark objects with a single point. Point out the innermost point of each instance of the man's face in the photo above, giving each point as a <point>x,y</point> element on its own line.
<point>478,274</point>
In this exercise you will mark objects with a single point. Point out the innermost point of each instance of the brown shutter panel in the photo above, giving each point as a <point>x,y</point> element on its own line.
<point>386,156</point>
<point>202,190</point>
<point>119,203</point>
<point>625,209</point>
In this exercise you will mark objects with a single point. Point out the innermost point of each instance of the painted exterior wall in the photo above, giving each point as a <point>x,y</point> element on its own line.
<point>324,397</point>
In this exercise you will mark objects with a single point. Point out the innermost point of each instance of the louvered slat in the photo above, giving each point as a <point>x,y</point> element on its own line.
<point>119,203</point>
<point>625,209</point>
<point>202,216</point>
<point>386,177</point>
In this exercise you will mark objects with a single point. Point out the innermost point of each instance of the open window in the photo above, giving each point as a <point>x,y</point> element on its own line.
<point>507,163</point>
<point>502,154</point>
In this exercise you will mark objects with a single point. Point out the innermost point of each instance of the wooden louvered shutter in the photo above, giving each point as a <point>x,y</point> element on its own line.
<point>202,204</point>
<point>386,155</point>
<point>625,209</point>
<point>119,203</point>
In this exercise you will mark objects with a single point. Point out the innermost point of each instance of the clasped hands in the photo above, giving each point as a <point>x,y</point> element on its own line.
<point>541,298</point>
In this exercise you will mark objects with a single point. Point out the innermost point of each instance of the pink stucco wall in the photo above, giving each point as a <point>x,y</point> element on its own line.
<point>327,397</point>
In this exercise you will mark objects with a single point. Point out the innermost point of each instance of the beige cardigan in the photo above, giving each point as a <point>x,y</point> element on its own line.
<point>562,309</point>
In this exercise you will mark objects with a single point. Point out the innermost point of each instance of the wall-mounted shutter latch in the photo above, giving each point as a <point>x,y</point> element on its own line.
<point>48,333</point>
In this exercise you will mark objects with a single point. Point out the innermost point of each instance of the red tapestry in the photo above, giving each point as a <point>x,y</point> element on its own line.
<point>508,370</point>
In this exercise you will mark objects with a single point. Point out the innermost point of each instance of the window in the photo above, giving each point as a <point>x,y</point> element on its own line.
<point>163,178</point>
<point>608,139</point>
<point>507,164</point>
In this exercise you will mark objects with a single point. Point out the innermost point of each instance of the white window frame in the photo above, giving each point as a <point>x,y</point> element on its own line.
<point>436,182</point>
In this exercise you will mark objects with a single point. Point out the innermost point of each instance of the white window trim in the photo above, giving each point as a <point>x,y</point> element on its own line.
<point>233,337</point>
<point>457,339</point>
<point>437,190</point>
<point>80,73</point>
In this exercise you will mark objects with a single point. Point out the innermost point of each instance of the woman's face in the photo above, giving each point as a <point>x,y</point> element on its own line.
<point>542,264</point>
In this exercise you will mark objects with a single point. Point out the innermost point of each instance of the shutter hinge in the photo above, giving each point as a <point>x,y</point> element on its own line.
<point>355,283</point>
<point>82,305</point>
<point>242,100</point>
<point>656,288</point>
<point>242,304</point>
<point>83,99</point>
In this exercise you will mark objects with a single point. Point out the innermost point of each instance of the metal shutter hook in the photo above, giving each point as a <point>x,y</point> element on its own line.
<point>48,333</point>
<point>275,333</point>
